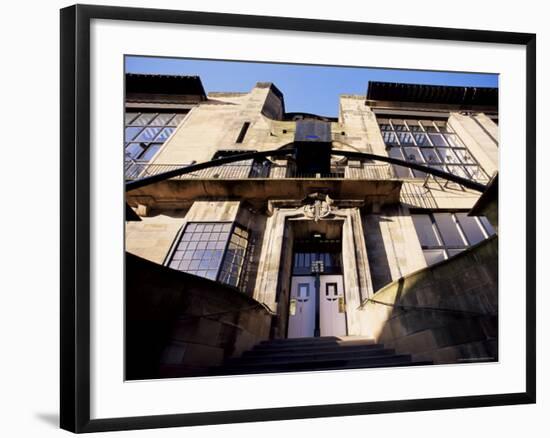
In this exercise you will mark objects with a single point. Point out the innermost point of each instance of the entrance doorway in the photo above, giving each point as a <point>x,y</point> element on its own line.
<point>317,302</point>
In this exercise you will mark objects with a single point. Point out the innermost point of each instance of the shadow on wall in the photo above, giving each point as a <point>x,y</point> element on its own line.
<point>446,313</point>
<point>178,324</point>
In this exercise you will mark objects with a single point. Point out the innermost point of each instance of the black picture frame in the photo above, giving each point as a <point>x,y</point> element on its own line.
<point>75,216</point>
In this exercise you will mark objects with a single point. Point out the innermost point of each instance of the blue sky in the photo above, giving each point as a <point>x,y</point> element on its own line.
<point>306,88</point>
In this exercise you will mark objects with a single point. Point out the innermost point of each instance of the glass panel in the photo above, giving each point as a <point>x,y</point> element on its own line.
<point>419,174</point>
<point>430,155</point>
<point>476,173</point>
<point>413,154</point>
<point>448,230</point>
<point>464,156</point>
<point>389,137</point>
<point>177,119</point>
<point>405,138</point>
<point>471,228</point>
<point>131,132</point>
<point>437,140</point>
<point>400,171</point>
<point>143,119</point>
<point>434,256</point>
<point>128,117</point>
<point>424,229</point>
<point>448,155</point>
<point>133,150</point>
<point>428,126</point>
<point>444,127</point>
<point>385,127</point>
<point>161,119</point>
<point>414,126</point>
<point>398,125</point>
<point>150,152</point>
<point>421,139</point>
<point>148,134</point>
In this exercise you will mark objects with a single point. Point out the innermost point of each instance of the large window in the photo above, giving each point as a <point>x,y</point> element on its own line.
<point>443,235</point>
<point>145,132</point>
<point>429,143</point>
<point>214,250</point>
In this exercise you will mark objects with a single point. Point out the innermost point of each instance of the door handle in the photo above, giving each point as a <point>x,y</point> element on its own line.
<point>341,305</point>
<point>292,307</point>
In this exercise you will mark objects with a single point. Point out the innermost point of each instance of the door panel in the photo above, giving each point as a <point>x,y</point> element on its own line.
<point>332,306</point>
<point>301,318</point>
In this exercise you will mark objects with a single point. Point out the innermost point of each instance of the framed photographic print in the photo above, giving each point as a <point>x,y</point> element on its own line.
<point>287,214</point>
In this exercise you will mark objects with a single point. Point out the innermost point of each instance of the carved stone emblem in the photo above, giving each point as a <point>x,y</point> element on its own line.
<point>318,206</point>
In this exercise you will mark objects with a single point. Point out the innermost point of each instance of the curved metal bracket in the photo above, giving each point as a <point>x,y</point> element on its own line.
<point>286,151</point>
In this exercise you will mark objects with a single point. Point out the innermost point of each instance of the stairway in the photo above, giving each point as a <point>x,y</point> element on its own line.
<point>314,354</point>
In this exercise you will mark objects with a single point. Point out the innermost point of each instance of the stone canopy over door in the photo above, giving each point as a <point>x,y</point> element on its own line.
<point>288,222</point>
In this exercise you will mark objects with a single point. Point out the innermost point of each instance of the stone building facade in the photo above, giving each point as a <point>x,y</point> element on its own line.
<point>323,241</point>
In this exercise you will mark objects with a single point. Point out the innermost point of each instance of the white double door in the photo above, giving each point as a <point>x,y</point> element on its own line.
<point>302,308</point>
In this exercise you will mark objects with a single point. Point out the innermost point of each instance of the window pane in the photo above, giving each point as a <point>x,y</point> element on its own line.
<point>428,126</point>
<point>128,117</point>
<point>150,152</point>
<point>453,252</point>
<point>414,126</point>
<point>148,134</point>
<point>433,256</point>
<point>177,119</point>
<point>133,150</point>
<point>405,138</point>
<point>448,230</point>
<point>161,119</point>
<point>444,127</point>
<point>471,228</point>
<point>413,154</point>
<point>421,139</point>
<point>398,125</point>
<point>476,173</point>
<point>437,140</point>
<point>448,155</point>
<point>164,134</point>
<point>131,132</point>
<point>143,119</point>
<point>389,137</point>
<point>430,156</point>
<point>400,171</point>
<point>424,229</point>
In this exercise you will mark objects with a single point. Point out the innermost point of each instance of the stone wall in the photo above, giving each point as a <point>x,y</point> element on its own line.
<point>153,236</point>
<point>446,313</point>
<point>179,324</point>
<point>392,245</point>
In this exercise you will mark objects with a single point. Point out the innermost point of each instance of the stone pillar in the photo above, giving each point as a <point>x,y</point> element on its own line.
<point>270,260</point>
<point>357,283</point>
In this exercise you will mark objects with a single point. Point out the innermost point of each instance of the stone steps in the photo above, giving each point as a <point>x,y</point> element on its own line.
<point>314,354</point>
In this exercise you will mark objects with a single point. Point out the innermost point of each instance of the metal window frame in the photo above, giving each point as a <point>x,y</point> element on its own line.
<point>436,149</point>
<point>439,236</point>
<point>148,125</point>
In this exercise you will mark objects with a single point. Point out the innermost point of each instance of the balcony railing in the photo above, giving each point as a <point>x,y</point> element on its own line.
<point>135,170</point>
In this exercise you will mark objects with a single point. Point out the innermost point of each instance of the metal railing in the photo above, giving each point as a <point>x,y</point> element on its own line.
<point>135,170</point>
